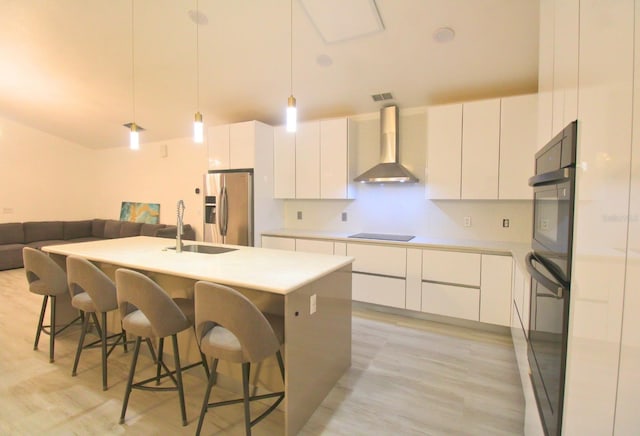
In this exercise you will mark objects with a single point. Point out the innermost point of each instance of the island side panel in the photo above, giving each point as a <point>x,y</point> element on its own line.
<point>317,346</point>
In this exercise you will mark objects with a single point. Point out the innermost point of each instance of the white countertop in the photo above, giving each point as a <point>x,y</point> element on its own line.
<point>275,271</point>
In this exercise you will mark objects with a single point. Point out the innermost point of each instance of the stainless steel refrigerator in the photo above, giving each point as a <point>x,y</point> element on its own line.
<point>228,207</point>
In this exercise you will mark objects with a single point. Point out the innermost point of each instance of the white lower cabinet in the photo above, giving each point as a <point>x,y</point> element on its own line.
<point>314,246</point>
<point>450,300</point>
<point>386,291</point>
<point>279,243</point>
<point>495,289</point>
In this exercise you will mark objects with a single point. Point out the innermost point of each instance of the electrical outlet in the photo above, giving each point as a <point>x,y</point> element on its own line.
<point>312,304</point>
<point>505,222</point>
<point>299,214</point>
<point>467,221</point>
<point>344,216</point>
<point>7,210</point>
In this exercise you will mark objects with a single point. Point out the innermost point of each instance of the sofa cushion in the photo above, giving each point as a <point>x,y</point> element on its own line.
<point>43,230</point>
<point>11,233</point>
<point>112,229</point>
<point>97,228</point>
<point>128,228</point>
<point>151,229</point>
<point>39,244</point>
<point>11,256</point>
<point>77,229</point>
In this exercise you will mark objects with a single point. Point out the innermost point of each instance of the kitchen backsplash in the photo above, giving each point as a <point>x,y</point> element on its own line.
<point>403,209</point>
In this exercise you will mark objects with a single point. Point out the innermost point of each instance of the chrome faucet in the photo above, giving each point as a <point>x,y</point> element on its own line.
<point>179,229</point>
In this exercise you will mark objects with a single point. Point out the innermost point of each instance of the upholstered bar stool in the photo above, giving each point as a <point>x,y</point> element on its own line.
<point>48,279</point>
<point>147,311</point>
<point>230,327</point>
<point>93,292</point>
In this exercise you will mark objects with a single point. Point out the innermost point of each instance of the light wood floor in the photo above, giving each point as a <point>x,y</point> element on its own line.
<point>408,377</point>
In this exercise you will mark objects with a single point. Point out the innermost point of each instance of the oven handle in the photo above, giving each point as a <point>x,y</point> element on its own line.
<point>552,177</point>
<point>541,278</point>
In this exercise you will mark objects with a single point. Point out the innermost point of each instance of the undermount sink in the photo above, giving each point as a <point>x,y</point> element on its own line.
<point>206,249</point>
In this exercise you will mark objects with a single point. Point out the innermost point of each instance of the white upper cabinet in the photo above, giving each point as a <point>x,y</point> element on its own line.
<point>308,160</point>
<point>316,162</point>
<point>518,139</point>
<point>233,146</point>
<point>335,159</point>
<point>444,151</point>
<point>480,149</point>
<point>545,72</point>
<point>284,163</point>
<point>565,63</point>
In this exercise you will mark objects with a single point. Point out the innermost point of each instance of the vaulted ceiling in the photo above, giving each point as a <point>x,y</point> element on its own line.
<point>72,68</point>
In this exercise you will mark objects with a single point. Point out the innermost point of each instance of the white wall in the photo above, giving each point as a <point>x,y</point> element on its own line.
<point>399,208</point>
<point>43,177</point>
<point>161,172</point>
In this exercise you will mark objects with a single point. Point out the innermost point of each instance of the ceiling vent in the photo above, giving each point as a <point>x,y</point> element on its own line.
<point>382,97</point>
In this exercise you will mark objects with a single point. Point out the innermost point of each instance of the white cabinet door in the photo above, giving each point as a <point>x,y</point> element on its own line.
<point>449,300</point>
<point>218,138</point>
<point>545,72</point>
<point>284,163</point>
<point>451,267</point>
<point>444,151</point>
<point>279,243</point>
<point>314,246</point>
<point>307,160</point>
<point>495,289</point>
<point>334,158</point>
<point>518,133</point>
<point>242,140</point>
<point>565,63</point>
<point>386,291</point>
<point>413,298</point>
<point>480,149</point>
<point>378,259</point>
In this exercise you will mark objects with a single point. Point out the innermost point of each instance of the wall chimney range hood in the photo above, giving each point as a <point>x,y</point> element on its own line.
<point>389,170</point>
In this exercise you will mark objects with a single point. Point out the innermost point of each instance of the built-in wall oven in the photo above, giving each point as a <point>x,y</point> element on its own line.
<point>549,265</point>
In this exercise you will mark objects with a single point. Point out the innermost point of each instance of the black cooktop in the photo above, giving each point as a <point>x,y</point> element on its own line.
<point>383,236</point>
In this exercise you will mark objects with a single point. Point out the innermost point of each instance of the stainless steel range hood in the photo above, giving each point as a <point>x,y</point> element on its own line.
<point>389,169</point>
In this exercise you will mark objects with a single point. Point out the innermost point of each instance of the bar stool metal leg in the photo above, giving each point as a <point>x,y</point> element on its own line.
<point>52,328</point>
<point>134,360</point>
<point>176,354</point>
<point>41,320</point>
<point>85,327</point>
<point>246,366</point>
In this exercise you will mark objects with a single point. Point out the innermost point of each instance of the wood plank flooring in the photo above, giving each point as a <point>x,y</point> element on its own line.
<point>408,377</point>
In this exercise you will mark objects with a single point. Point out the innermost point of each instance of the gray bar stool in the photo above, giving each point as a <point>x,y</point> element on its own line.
<point>92,292</point>
<point>147,311</point>
<point>48,279</point>
<point>230,327</point>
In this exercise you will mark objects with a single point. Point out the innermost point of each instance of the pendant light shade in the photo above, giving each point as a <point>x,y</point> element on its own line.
<point>198,129</point>
<point>292,114</point>
<point>134,137</point>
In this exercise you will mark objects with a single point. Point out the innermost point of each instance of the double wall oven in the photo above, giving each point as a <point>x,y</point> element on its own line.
<point>549,265</point>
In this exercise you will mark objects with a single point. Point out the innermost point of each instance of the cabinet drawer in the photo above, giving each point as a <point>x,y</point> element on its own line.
<point>386,291</point>
<point>451,267</point>
<point>376,259</point>
<point>314,246</point>
<point>448,300</point>
<point>279,243</point>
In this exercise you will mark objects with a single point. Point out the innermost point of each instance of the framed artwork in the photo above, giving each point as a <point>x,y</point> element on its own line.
<point>148,213</point>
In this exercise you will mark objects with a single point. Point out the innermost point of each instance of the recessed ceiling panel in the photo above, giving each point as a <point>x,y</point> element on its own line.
<point>339,20</point>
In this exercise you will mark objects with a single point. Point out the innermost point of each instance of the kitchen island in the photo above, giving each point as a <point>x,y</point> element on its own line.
<point>317,348</point>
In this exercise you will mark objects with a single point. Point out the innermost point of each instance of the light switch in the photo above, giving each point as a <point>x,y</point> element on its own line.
<point>312,305</point>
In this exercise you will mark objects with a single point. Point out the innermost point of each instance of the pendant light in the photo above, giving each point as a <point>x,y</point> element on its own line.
<point>198,127</point>
<point>291,101</point>
<point>134,129</point>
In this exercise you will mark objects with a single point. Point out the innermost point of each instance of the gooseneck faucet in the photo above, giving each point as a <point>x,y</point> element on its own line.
<point>179,229</point>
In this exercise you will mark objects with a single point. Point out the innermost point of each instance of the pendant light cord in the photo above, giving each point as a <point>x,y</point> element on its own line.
<point>133,69</point>
<point>197,56</point>
<point>291,47</point>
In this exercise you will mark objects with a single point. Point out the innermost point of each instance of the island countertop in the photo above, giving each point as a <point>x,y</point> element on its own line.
<point>275,271</point>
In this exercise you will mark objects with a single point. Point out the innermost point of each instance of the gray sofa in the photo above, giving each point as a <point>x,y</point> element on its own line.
<point>36,234</point>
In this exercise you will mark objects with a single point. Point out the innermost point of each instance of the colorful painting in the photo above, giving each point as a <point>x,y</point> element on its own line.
<point>148,213</point>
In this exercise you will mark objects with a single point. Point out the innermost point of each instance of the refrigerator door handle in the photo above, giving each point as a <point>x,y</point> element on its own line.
<point>224,212</point>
